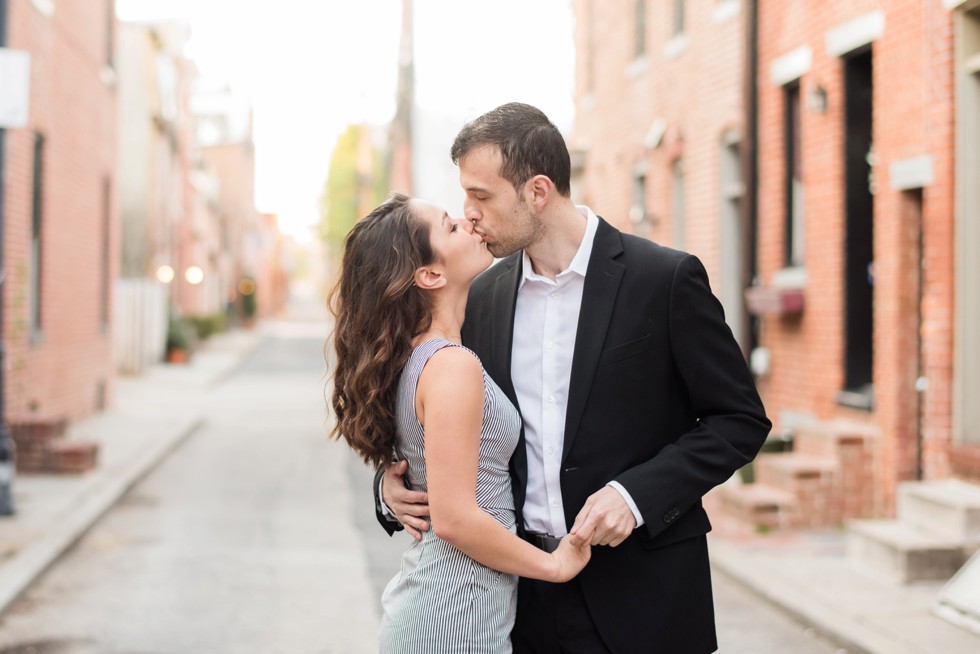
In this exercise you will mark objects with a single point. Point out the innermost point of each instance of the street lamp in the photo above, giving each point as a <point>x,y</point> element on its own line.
<point>165,274</point>
<point>194,275</point>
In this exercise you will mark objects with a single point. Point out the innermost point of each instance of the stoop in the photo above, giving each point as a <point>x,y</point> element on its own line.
<point>902,552</point>
<point>936,530</point>
<point>949,508</point>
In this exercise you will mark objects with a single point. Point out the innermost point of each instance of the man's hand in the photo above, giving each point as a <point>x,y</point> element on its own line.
<point>409,507</point>
<point>606,518</point>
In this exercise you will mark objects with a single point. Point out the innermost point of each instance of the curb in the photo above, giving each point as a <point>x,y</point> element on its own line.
<point>21,570</point>
<point>847,631</point>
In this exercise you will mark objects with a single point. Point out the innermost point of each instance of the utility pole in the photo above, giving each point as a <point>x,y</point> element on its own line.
<point>6,443</point>
<point>400,140</point>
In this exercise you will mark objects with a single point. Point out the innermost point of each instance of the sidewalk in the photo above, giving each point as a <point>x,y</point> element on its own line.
<point>152,415</point>
<point>807,575</point>
<point>804,574</point>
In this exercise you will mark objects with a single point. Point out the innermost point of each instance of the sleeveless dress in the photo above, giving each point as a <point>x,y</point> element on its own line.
<point>442,600</point>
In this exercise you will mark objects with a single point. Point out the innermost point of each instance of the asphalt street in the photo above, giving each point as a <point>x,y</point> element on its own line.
<point>258,535</point>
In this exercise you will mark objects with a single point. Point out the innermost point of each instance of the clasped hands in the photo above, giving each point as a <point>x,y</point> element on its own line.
<point>606,518</point>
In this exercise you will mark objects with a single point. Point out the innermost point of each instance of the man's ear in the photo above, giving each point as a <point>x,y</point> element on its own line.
<point>539,189</point>
<point>429,278</point>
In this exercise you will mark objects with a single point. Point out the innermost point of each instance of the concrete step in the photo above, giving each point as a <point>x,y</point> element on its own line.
<point>903,552</point>
<point>835,438</point>
<point>815,482</point>
<point>948,508</point>
<point>761,506</point>
<point>791,470</point>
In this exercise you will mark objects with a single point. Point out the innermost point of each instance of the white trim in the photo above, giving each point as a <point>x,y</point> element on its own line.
<point>46,7</point>
<point>726,10</point>
<point>855,33</point>
<point>676,46</point>
<point>655,134</point>
<point>791,66</point>
<point>909,174</point>
<point>638,67</point>
<point>959,4</point>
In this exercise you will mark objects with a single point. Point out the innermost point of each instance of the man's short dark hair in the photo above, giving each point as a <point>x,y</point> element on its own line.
<point>529,144</point>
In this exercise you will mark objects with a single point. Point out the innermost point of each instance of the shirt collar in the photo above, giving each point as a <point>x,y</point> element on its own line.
<point>579,263</point>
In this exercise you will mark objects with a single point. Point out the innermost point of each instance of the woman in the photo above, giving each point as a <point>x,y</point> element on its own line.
<point>405,387</point>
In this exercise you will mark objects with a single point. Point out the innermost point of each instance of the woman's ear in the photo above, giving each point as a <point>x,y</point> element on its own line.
<point>429,278</point>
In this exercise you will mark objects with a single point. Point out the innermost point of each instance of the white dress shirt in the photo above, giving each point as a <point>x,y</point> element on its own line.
<point>545,324</point>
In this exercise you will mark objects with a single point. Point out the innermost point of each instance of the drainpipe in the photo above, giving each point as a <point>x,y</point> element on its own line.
<point>750,163</point>
<point>6,443</point>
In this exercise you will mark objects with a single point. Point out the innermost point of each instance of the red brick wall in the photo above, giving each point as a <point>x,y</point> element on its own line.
<point>697,92</point>
<point>913,116</point>
<point>73,106</point>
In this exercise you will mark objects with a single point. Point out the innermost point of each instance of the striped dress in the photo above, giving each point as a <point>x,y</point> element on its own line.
<point>442,600</point>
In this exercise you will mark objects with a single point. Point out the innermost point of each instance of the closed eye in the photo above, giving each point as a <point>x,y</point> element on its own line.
<point>454,227</point>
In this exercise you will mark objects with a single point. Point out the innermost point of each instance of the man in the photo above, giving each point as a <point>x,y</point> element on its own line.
<point>635,398</point>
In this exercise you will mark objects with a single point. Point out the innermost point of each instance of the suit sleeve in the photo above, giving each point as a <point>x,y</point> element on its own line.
<point>731,421</point>
<point>388,524</point>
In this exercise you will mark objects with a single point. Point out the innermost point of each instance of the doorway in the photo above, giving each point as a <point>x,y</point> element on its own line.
<point>859,231</point>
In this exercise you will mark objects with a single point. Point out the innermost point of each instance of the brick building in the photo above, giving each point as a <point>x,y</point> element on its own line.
<point>658,128</point>
<point>856,192</point>
<point>60,213</point>
<point>965,456</point>
<point>818,156</point>
<point>157,194</point>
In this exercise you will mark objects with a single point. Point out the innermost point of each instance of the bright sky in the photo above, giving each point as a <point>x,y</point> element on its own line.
<point>312,67</point>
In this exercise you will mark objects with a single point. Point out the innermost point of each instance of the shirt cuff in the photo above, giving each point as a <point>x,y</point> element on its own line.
<point>629,501</point>
<point>385,511</point>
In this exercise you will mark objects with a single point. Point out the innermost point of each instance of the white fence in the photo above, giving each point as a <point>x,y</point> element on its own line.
<point>140,329</point>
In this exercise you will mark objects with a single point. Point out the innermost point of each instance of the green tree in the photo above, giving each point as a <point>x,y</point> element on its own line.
<point>340,202</point>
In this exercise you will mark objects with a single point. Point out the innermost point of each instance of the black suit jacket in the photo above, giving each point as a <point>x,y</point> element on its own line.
<point>660,400</point>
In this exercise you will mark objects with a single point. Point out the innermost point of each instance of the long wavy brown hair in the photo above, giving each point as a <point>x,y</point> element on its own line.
<point>378,312</point>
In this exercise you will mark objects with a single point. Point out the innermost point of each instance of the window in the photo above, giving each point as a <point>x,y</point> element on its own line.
<point>110,33</point>
<point>590,49</point>
<point>34,267</point>
<point>678,17</point>
<point>638,210</point>
<point>732,237</point>
<point>677,202</point>
<point>859,269</point>
<point>106,244</point>
<point>640,37</point>
<point>793,180</point>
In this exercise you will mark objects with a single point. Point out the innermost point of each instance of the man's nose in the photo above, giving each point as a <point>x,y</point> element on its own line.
<point>470,213</point>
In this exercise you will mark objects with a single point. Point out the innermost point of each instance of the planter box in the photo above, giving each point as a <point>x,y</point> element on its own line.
<point>763,301</point>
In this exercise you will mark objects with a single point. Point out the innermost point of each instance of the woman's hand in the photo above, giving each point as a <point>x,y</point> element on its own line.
<point>572,554</point>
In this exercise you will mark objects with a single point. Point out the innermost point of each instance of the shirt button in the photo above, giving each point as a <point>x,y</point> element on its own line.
<point>551,450</point>
<point>554,296</point>
<point>551,345</point>
<point>554,503</point>
<point>551,398</point>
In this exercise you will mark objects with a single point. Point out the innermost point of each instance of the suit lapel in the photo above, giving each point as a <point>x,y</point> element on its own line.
<point>602,282</point>
<point>503,303</point>
<point>502,331</point>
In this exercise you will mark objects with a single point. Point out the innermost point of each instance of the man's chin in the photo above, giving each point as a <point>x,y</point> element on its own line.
<point>498,251</point>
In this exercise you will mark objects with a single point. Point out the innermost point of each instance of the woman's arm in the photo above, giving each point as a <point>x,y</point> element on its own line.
<point>449,404</point>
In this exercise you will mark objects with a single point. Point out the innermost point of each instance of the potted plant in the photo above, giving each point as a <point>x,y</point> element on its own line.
<point>179,341</point>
